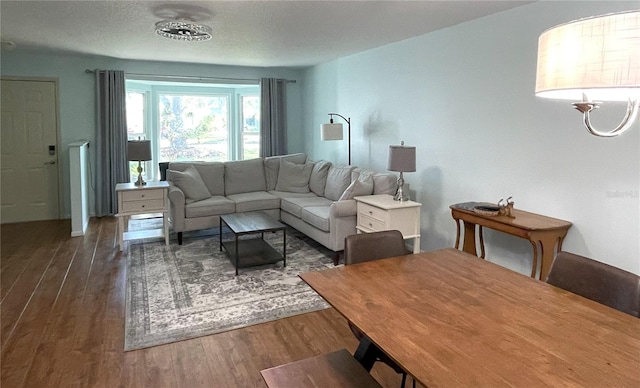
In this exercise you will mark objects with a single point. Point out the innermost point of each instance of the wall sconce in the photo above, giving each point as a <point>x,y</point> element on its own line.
<point>593,58</point>
<point>402,159</point>
<point>139,150</point>
<point>333,131</point>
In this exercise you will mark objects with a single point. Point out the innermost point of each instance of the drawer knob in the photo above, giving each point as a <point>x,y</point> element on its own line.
<point>370,212</point>
<point>143,206</point>
<point>370,224</point>
<point>142,196</point>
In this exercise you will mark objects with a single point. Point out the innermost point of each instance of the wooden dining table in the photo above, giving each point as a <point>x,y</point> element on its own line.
<point>450,319</point>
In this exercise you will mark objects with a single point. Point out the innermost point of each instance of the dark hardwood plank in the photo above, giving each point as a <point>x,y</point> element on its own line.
<point>70,329</point>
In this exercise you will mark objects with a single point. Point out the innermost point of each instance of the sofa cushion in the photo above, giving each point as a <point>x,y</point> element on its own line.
<point>338,178</point>
<point>191,184</point>
<point>212,174</point>
<point>244,176</point>
<point>255,200</point>
<point>213,206</point>
<point>385,184</point>
<point>318,178</point>
<point>294,177</point>
<point>295,205</point>
<point>317,216</point>
<point>361,186</point>
<point>272,167</point>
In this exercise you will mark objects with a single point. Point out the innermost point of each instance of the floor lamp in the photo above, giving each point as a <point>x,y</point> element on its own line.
<point>402,159</point>
<point>333,131</point>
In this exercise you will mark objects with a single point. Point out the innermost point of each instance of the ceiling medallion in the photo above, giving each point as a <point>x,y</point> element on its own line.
<point>183,29</point>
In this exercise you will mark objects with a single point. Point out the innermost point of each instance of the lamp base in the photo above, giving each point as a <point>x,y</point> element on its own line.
<point>140,181</point>
<point>401,195</point>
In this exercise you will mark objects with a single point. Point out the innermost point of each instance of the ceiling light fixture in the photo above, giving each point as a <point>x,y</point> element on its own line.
<point>593,58</point>
<point>183,29</point>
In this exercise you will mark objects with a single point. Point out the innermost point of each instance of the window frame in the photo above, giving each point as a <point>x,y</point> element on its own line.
<point>153,88</point>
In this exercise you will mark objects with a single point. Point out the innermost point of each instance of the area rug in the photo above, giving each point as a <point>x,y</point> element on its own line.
<point>179,292</point>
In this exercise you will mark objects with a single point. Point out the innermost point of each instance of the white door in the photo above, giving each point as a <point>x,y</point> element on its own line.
<point>29,169</point>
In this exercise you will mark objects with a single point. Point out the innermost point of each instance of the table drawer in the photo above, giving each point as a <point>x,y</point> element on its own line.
<point>142,195</point>
<point>140,206</point>
<point>371,223</point>
<point>372,211</point>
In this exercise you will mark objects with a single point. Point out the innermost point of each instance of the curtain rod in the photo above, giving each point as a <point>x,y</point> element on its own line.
<point>187,77</point>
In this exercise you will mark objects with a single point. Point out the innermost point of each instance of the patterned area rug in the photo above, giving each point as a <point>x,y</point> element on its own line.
<point>179,292</point>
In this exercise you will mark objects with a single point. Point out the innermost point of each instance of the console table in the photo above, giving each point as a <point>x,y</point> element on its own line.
<point>538,229</point>
<point>381,212</point>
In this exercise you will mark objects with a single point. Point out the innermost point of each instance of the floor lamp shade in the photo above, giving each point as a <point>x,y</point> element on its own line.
<point>331,132</point>
<point>139,150</point>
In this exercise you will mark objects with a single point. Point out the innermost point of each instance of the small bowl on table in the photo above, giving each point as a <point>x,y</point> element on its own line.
<point>487,210</point>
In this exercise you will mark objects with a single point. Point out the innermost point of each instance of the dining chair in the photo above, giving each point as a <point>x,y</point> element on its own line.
<point>360,248</point>
<point>597,281</point>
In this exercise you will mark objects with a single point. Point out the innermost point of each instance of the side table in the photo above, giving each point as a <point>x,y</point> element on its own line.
<point>382,212</point>
<point>136,200</point>
<point>538,229</point>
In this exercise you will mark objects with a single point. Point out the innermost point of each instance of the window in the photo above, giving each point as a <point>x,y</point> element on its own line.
<point>136,101</point>
<point>193,127</point>
<point>250,118</point>
<point>194,121</point>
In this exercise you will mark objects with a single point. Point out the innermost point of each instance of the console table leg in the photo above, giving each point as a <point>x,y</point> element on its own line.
<point>469,244</point>
<point>457,246</point>
<point>534,265</point>
<point>481,242</point>
<point>548,246</point>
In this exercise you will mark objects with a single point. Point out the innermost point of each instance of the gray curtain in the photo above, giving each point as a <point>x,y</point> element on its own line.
<point>111,139</point>
<point>273,121</point>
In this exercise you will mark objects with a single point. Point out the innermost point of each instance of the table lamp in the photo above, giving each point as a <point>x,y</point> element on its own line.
<point>401,159</point>
<point>139,150</point>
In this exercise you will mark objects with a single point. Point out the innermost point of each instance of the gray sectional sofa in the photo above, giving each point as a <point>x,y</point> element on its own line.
<point>315,198</point>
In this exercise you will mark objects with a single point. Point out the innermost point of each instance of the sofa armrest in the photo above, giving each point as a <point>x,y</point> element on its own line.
<point>176,207</point>
<point>345,208</point>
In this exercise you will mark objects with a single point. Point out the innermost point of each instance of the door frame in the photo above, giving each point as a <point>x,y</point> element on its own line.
<point>56,84</point>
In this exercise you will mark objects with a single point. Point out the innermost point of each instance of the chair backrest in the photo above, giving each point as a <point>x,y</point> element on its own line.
<point>359,248</point>
<point>597,281</point>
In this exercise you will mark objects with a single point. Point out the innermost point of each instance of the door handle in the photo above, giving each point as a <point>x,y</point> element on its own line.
<point>50,162</point>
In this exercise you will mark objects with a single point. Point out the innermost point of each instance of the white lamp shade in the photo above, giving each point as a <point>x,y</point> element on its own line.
<point>402,159</point>
<point>598,56</point>
<point>139,150</point>
<point>331,132</point>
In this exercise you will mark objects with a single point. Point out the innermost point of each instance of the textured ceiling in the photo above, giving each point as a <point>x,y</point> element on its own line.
<point>246,33</point>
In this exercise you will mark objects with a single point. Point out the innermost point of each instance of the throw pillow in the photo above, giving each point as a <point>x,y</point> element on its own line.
<point>319,177</point>
<point>190,182</point>
<point>385,184</point>
<point>338,179</point>
<point>272,166</point>
<point>358,187</point>
<point>293,177</point>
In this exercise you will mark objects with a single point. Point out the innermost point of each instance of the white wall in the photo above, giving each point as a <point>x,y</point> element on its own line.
<point>77,94</point>
<point>464,96</point>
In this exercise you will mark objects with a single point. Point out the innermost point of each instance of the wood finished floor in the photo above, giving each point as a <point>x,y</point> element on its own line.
<point>62,322</point>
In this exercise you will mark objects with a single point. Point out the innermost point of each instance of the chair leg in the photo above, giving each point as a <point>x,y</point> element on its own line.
<point>179,238</point>
<point>404,380</point>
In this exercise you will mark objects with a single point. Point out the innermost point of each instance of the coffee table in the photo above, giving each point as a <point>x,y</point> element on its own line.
<point>252,251</point>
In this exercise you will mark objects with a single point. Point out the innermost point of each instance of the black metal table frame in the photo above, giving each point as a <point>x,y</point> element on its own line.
<point>236,256</point>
